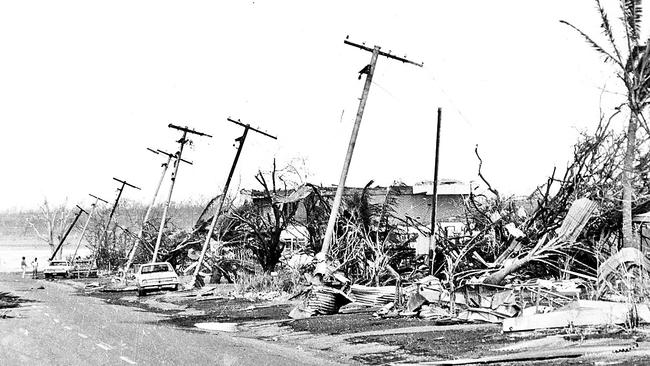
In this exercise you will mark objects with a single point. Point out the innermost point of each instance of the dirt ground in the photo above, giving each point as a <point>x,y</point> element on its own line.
<point>358,337</point>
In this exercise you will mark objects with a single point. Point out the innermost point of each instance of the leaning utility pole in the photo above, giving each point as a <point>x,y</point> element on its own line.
<point>58,247</point>
<point>434,198</point>
<point>117,200</point>
<point>110,217</point>
<point>178,155</point>
<point>83,231</point>
<point>241,141</point>
<point>140,237</point>
<point>369,70</point>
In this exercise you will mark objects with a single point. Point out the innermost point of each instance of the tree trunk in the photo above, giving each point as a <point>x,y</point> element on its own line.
<point>270,251</point>
<point>628,173</point>
<point>499,276</point>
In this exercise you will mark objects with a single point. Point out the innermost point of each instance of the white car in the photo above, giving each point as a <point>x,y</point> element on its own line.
<point>156,276</point>
<point>57,268</point>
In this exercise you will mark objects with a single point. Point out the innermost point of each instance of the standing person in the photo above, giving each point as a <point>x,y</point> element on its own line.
<point>35,268</point>
<point>23,266</point>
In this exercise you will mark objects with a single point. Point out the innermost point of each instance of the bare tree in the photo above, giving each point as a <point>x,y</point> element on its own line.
<point>50,223</point>
<point>266,222</point>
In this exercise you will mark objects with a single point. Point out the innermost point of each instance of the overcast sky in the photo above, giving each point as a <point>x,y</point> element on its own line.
<point>85,86</point>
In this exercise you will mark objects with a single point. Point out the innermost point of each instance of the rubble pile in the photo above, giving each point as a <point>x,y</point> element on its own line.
<point>551,265</point>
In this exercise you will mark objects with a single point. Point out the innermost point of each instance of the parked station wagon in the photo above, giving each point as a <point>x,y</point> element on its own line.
<point>156,276</point>
<point>57,268</point>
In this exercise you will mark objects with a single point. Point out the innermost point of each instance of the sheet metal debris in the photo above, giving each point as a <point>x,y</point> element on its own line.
<point>372,296</point>
<point>320,300</point>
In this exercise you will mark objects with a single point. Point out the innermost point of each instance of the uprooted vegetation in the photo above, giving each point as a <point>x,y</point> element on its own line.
<point>559,244</point>
<point>567,229</point>
<point>576,249</point>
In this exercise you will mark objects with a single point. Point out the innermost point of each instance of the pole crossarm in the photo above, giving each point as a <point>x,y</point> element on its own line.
<point>245,125</point>
<point>97,198</point>
<point>173,156</point>
<point>382,53</point>
<point>81,209</point>
<point>188,130</point>
<point>126,183</point>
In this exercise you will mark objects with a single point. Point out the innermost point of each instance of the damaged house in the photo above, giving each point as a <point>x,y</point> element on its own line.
<point>411,209</point>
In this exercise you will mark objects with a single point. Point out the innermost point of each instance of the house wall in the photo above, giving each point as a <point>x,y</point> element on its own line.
<point>450,213</point>
<point>418,207</point>
<point>415,206</point>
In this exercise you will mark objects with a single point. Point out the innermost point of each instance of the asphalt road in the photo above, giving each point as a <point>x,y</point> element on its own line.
<point>62,328</point>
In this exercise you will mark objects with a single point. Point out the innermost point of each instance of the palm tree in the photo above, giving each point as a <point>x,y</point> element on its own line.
<point>632,62</point>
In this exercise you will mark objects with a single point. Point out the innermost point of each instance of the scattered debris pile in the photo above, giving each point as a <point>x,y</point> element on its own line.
<point>552,260</point>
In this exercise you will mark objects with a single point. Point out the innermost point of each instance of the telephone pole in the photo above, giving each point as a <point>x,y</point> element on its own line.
<point>369,70</point>
<point>110,217</point>
<point>241,141</point>
<point>434,198</point>
<point>183,140</point>
<point>117,200</point>
<point>164,166</point>
<point>83,231</point>
<point>65,236</point>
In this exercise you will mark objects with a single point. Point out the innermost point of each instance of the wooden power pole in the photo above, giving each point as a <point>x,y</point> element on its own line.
<point>83,231</point>
<point>65,236</point>
<point>117,200</point>
<point>110,216</point>
<point>369,70</point>
<point>145,220</point>
<point>213,224</point>
<point>434,197</point>
<point>177,162</point>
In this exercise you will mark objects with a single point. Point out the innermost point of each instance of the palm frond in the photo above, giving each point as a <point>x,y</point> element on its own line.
<point>629,28</point>
<point>632,14</point>
<point>607,29</point>
<point>608,57</point>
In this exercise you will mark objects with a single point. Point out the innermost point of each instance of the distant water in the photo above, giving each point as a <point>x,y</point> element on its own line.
<point>13,249</point>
